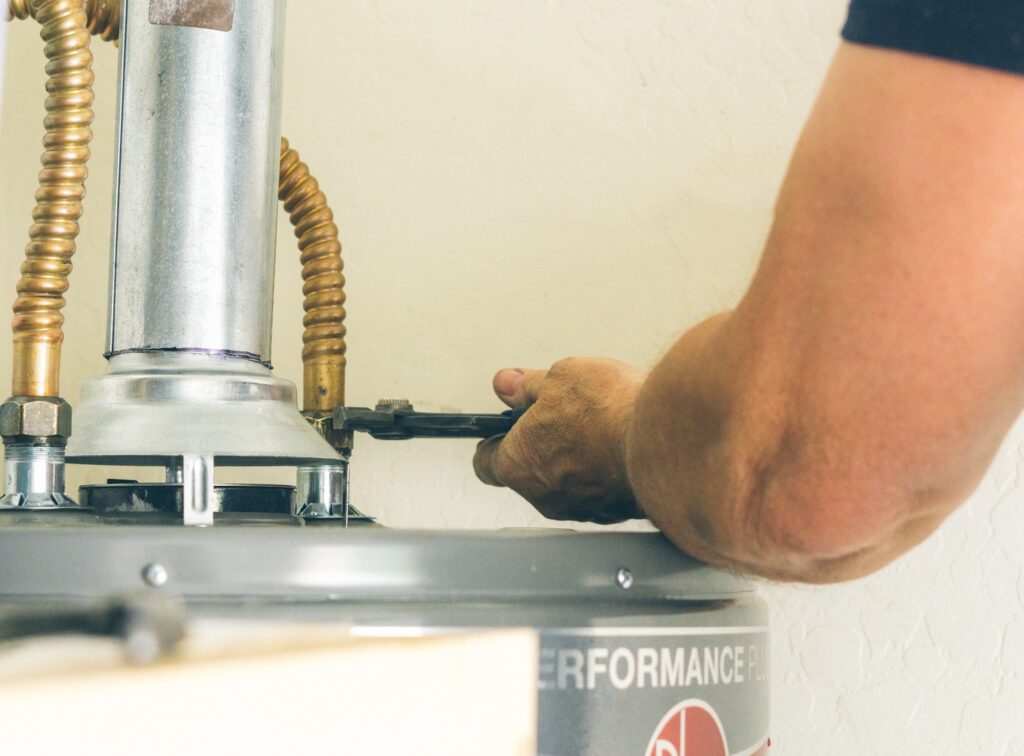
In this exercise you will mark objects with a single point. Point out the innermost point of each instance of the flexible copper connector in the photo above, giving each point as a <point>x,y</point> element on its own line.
<point>104,18</point>
<point>323,341</point>
<point>37,310</point>
<point>18,9</point>
<point>104,15</point>
<point>323,352</point>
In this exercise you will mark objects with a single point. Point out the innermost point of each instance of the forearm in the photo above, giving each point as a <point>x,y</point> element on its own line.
<point>675,449</point>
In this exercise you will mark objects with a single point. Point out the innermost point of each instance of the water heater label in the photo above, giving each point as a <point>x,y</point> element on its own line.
<point>650,667</point>
<point>654,691</point>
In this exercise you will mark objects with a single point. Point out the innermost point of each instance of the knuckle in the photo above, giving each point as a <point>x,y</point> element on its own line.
<point>514,465</point>
<point>505,465</point>
<point>564,366</point>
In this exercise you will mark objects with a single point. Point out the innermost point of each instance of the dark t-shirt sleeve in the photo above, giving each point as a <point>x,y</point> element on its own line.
<point>982,32</point>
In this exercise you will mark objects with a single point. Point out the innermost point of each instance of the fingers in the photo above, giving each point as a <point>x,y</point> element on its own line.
<point>485,460</point>
<point>565,454</point>
<point>518,387</point>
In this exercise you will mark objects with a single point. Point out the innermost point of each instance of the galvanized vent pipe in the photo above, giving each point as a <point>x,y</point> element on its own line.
<point>194,198</point>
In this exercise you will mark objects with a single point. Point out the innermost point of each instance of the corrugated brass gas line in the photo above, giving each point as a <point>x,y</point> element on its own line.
<point>323,342</point>
<point>66,26</point>
<point>37,310</point>
<point>103,16</point>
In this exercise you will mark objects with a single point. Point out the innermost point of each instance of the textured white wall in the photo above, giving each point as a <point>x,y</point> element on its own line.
<point>517,182</point>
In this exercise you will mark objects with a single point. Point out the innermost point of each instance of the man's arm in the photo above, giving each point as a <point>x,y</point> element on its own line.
<point>862,386</point>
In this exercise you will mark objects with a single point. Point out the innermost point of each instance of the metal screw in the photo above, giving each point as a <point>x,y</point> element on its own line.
<point>624,578</point>
<point>155,575</point>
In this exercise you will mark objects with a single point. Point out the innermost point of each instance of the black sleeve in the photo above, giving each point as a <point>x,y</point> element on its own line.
<point>982,32</point>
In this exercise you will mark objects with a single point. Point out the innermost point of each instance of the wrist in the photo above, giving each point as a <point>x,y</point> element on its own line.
<point>631,503</point>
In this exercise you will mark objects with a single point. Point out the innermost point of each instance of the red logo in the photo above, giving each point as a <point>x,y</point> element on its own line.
<point>691,728</point>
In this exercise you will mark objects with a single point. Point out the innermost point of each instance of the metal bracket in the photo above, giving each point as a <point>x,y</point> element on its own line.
<point>197,489</point>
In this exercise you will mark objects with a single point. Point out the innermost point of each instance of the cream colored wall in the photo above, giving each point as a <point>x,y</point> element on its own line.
<point>521,181</point>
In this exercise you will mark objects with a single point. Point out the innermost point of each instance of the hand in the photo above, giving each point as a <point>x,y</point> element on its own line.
<point>566,454</point>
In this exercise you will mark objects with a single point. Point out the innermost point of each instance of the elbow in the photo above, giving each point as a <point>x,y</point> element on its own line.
<point>818,529</point>
<point>809,537</point>
<point>825,507</point>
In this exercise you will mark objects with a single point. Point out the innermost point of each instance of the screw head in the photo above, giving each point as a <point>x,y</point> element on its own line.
<point>624,578</point>
<point>155,575</point>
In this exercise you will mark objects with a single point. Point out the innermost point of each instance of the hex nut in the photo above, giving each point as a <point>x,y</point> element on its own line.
<point>37,417</point>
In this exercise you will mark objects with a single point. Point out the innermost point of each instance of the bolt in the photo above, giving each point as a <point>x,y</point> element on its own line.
<point>624,578</point>
<point>155,575</point>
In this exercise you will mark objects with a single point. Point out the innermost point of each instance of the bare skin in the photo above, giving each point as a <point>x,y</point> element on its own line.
<point>860,389</point>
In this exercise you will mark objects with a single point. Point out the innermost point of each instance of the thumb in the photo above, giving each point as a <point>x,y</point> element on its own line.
<point>518,387</point>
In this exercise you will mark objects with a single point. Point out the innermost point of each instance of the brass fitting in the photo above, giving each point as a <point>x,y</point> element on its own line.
<point>324,425</point>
